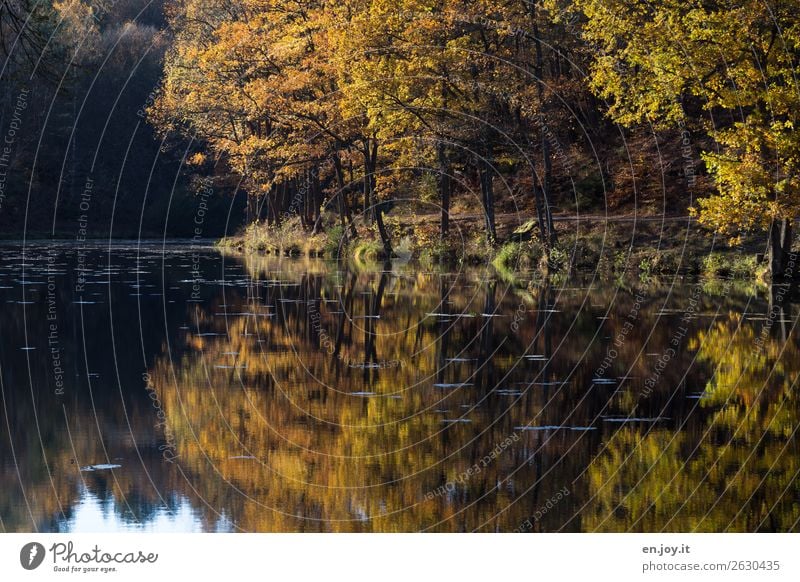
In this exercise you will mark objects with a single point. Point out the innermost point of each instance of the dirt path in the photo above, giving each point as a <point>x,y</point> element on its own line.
<point>520,218</point>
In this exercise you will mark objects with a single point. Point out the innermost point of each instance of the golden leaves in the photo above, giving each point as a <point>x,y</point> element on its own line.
<point>656,57</point>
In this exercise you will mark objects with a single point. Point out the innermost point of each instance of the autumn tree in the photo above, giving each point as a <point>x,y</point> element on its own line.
<point>258,82</point>
<point>403,68</point>
<point>372,89</point>
<point>224,85</point>
<point>447,82</point>
<point>730,62</point>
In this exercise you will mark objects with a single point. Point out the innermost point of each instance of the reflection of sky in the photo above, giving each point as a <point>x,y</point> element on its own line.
<point>93,515</point>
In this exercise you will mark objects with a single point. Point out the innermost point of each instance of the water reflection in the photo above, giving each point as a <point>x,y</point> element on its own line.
<point>212,393</point>
<point>93,515</point>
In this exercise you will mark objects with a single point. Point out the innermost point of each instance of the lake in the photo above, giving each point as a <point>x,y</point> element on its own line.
<point>151,386</point>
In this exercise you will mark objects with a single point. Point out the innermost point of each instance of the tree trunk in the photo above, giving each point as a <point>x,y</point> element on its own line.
<point>337,164</point>
<point>374,211</point>
<point>305,202</point>
<point>538,199</point>
<point>276,205</point>
<point>780,247</point>
<point>487,192</point>
<point>388,252</point>
<point>445,186</point>
<point>370,164</point>
<point>548,233</point>
<point>269,204</point>
<point>344,209</point>
<point>298,199</point>
<point>280,195</point>
<point>444,190</point>
<point>249,209</point>
<point>316,201</point>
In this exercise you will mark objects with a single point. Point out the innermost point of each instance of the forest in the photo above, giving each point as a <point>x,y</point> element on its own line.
<point>399,266</point>
<point>445,128</point>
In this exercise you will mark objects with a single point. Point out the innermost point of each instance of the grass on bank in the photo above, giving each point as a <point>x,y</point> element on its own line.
<point>609,249</point>
<point>288,239</point>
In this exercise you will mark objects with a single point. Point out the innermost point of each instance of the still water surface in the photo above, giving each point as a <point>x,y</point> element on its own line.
<point>151,387</point>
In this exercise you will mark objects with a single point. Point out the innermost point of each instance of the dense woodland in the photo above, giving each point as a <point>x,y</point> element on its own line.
<point>334,116</point>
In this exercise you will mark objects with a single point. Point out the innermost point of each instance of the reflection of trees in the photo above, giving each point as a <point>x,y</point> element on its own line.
<point>345,462</point>
<point>255,375</point>
<point>326,459</point>
<point>737,470</point>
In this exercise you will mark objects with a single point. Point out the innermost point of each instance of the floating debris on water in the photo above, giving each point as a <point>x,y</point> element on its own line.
<point>449,315</point>
<point>100,467</point>
<point>552,427</point>
<point>635,419</point>
<point>555,427</point>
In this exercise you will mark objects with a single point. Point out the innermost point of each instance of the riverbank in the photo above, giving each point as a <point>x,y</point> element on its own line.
<point>616,245</point>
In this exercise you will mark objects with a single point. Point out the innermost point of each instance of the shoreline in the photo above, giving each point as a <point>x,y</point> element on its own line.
<point>647,246</point>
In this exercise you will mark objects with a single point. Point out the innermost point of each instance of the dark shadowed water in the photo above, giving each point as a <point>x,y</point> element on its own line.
<point>171,388</point>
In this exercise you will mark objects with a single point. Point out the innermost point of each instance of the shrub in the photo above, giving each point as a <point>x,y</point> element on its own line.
<point>732,265</point>
<point>557,260</point>
<point>367,251</point>
<point>507,256</point>
<point>518,256</point>
<point>335,241</point>
<point>439,252</point>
